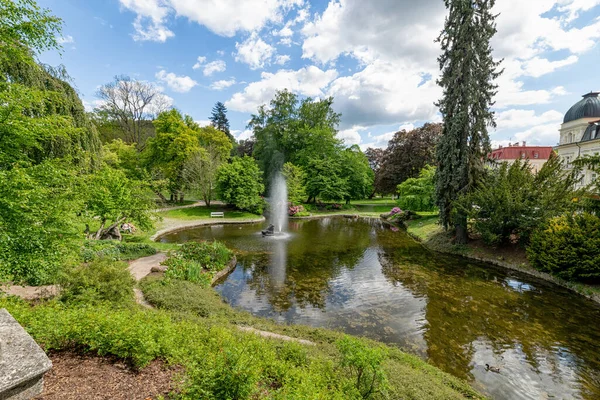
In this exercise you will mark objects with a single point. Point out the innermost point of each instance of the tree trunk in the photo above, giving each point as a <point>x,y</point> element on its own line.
<point>461,229</point>
<point>162,197</point>
<point>99,232</point>
<point>172,199</point>
<point>181,194</point>
<point>372,195</point>
<point>113,232</point>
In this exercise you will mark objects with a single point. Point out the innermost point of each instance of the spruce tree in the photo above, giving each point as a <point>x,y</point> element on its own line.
<point>219,119</point>
<point>468,71</point>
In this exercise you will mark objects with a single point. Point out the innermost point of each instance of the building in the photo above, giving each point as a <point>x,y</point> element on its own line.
<point>580,133</point>
<point>536,155</point>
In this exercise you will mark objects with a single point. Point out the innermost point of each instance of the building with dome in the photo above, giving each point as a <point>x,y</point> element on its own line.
<point>580,133</point>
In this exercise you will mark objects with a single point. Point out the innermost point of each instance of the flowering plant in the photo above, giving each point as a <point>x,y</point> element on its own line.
<point>395,210</point>
<point>293,210</point>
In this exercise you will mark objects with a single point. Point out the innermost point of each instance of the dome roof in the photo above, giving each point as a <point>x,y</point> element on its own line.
<point>588,107</point>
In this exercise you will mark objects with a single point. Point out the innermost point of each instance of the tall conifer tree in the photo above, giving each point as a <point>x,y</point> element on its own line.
<point>468,74</point>
<point>219,120</point>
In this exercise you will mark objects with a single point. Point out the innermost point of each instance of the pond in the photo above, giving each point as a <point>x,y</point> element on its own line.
<point>364,278</point>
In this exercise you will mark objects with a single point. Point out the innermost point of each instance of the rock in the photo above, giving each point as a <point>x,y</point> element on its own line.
<point>159,268</point>
<point>22,362</point>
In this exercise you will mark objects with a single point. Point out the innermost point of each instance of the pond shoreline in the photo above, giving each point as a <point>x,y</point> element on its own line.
<point>173,225</point>
<point>574,287</point>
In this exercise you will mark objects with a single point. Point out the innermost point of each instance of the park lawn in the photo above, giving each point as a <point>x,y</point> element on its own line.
<point>376,200</point>
<point>203,212</point>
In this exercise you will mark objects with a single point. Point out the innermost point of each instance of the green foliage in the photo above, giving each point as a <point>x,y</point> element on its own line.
<point>568,247</point>
<point>324,180</point>
<point>294,178</point>
<point>417,194</point>
<point>102,280</point>
<point>114,250</point>
<point>218,119</point>
<point>37,227</point>
<point>364,365</point>
<point>198,261</point>
<point>512,201</point>
<point>467,79</point>
<point>406,154</point>
<point>356,173</point>
<point>114,198</point>
<point>239,183</point>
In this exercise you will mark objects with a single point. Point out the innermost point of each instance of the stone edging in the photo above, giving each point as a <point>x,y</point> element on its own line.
<point>512,266</point>
<point>183,225</point>
<point>225,271</point>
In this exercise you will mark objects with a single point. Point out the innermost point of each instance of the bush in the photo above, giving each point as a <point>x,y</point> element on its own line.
<point>196,262</point>
<point>115,250</point>
<point>512,201</point>
<point>294,210</point>
<point>240,184</point>
<point>103,280</point>
<point>364,365</point>
<point>568,247</point>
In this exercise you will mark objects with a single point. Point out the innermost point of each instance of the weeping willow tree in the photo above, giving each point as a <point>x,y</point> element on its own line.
<point>46,142</point>
<point>468,74</point>
<point>41,115</point>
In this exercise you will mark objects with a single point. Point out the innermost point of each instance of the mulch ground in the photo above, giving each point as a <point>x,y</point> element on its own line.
<point>75,377</point>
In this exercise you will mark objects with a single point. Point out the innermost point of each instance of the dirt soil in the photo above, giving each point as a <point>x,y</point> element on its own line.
<point>75,377</point>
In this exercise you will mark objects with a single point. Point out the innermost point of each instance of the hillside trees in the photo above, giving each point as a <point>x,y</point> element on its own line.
<point>468,71</point>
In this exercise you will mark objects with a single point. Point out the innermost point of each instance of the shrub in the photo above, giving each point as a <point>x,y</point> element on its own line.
<point>364,365</point>
<point>513,201</point>
<point>294,210</point>
<point>196,262</point>
<point>568,247</point>
<point>103,280</point>
<point>115,250</point>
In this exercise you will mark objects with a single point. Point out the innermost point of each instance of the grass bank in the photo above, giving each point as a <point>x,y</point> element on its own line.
<point>192,327</point>
<point>430,233</point>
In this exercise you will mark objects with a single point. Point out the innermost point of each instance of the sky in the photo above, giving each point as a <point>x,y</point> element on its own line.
<point>377,58</point>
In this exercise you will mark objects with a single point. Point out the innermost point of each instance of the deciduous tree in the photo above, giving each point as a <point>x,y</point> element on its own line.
<point>240,183</point>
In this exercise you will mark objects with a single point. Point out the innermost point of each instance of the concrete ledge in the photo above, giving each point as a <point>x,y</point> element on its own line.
<point>22,362</point>
<point>225,271</point>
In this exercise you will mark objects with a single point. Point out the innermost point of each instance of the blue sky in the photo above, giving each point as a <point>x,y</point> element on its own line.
<point>376,58</point>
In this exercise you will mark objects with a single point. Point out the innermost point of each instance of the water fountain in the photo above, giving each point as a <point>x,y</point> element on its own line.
<point>279,204</point>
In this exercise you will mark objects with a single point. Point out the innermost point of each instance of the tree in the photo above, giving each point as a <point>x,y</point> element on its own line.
<point>200,169</point>
<point>37,223</point>
<point>113,199</point>
<point>375,157</point>
<point>294,178</point>
<point>467,78</point>
<point>325,180</point>
<point>512,201</point>
<point>407,153</point>
<point>418,194</point>
<point>166,154</point>
<point>219,120</point>
<point>240,184</point>
<point>357,174</point>
<point>130,105</point>
<point>294,131</point>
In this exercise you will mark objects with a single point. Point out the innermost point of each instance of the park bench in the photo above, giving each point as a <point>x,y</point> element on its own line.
<point>217,214</point>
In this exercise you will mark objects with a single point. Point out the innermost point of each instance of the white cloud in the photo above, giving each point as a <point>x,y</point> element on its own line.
<point>199,61</point>
<point>546,134</point>
<point>350,136</point>
<point>176,83</point>
<point>537,66</point>
<point>242,135</point>
<point>222,84</point>
<point>223,17</point>
<point>512,119</point>
<point>282,60</point>
<point>203,122</point>
<point>308,81</point>
<point>214,66</point>
<point>286,41</point>
<point>254,51</point>
<point>65,39</point>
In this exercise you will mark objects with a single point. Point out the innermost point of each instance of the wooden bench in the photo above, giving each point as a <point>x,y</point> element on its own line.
<point>217,214</point>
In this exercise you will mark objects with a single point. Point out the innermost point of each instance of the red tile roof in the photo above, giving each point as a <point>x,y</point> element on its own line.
<point>521,152</point>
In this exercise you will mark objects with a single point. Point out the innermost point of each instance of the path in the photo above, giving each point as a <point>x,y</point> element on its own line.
<point>30,292</point>
<point>170,225</point>
<point>141,267</point>
<point>272,335</point>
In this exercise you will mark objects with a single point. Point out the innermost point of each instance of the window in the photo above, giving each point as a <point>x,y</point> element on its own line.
<point>536,155</point>
<point>523,155</point>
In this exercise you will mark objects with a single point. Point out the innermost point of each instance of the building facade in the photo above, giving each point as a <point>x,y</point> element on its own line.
<point>580,133</point>
<point>536,155</point>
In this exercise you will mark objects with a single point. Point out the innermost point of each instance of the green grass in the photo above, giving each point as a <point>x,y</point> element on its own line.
<point>424,227</point>
<point>376,200</point>
<point>194,328</point>
<point>203,212</point>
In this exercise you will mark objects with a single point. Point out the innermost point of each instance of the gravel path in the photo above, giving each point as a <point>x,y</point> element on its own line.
<point>141,267</point>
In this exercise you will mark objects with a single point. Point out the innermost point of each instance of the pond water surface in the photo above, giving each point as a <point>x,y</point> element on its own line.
<point>364,278</point>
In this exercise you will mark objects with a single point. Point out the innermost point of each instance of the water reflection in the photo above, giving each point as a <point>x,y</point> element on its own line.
<point>361,277</point>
